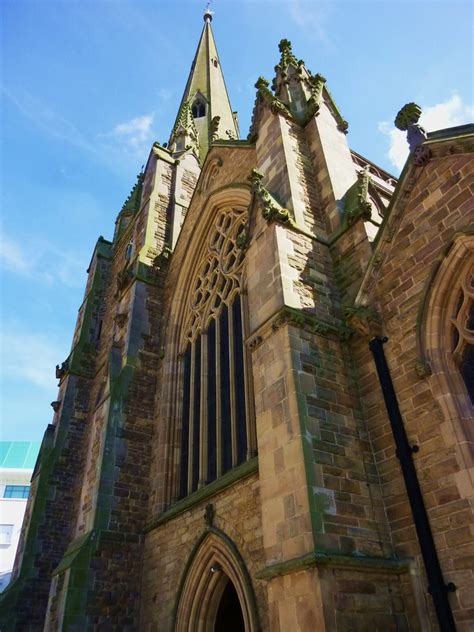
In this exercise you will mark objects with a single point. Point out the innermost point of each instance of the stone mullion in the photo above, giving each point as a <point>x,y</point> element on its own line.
<point>191,418</point>
<point>248,383</point>
<point>203,437</point>
<point>218,400</point>
<point>232,381</point>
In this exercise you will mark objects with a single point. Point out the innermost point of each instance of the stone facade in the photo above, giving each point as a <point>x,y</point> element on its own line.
<point>310,526</point>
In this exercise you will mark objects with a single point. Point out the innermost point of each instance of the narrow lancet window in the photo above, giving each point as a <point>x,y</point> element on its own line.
<point>198,108</point>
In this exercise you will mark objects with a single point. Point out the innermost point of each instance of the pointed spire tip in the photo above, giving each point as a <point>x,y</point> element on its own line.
<point>208,13</point>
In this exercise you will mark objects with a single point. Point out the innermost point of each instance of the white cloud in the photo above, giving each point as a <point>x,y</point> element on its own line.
<point>439,116</point>
<point>40,261</point>
<point>28,356</point>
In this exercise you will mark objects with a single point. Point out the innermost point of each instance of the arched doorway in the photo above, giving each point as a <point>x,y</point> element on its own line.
<point>229,617</point>
<point>216,593</point>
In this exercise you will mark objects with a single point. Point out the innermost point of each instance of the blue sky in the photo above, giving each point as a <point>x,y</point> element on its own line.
<point>87,86</point>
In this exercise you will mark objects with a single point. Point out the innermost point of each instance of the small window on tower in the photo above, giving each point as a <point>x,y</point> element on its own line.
<point>199,108</point>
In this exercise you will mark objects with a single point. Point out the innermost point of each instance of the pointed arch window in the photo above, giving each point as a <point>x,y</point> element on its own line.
<point>199,107</point>
<point>448,334</point>
<point>217,414</point>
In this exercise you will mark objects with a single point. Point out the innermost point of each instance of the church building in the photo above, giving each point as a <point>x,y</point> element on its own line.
<point>266,420</point>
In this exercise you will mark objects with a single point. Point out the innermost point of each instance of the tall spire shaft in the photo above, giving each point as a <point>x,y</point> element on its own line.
<point>205,107</point>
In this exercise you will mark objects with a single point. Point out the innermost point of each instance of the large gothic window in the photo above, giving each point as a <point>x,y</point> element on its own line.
<point>216,413</point>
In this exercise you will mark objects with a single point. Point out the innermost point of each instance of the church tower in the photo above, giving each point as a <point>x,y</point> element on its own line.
<point>230,444</point>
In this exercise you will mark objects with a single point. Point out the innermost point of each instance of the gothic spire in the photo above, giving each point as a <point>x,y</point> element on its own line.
<point>205,98</point>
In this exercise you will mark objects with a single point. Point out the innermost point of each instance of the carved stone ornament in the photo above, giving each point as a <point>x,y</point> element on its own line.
<point>55,405</point>
<point>62,370</point>
<point>357,200</point>
<point>316,85</point>
<point>421,155</point>
<point>407,120</point>
<point>214,128</point>
<point>121,319</point>
<point>365,320</point>
<point>271,210</point>
<point>255,342</point>
<point>423,368</point>
<point>209,514</point>
<point>124,277</point>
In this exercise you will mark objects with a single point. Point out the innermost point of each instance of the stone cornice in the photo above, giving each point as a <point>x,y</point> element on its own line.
<point>316,558</point>
<point>291,316</point>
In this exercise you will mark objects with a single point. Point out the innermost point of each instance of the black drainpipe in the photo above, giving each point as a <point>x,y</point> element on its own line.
<point>436,585</point>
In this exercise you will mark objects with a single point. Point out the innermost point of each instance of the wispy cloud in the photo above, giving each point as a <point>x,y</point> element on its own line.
<point>130,139</point>
<point>439,116</point>
<point>44,117</point>
<point>29,356</point>
<point>311,16</point>
<point>37,259</point>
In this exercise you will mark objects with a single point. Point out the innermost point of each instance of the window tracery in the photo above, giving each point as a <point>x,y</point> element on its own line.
<point>462,330</point>
<point>218,277</point>
<point>216,433</point>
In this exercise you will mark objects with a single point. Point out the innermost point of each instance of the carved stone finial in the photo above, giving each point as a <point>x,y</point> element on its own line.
<point>407,120</point>
<point>284,46</point>
<point>262,83</point>
<point>209,514</point>
<point>408,115</point>
<point>287,56</point>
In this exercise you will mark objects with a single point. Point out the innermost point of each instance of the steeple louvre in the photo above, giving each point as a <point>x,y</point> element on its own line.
<point>205,106</point>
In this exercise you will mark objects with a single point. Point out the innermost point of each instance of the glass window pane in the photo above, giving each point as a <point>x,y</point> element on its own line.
<point>196,414</point>
<point>183,478</point>
<point>239,385</point>
<point>225,392</point>
<point>467,370</point>
<point>16,491</point>
<point>211,402</point>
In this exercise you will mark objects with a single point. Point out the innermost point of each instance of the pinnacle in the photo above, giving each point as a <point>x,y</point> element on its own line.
<point>287,56</point>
